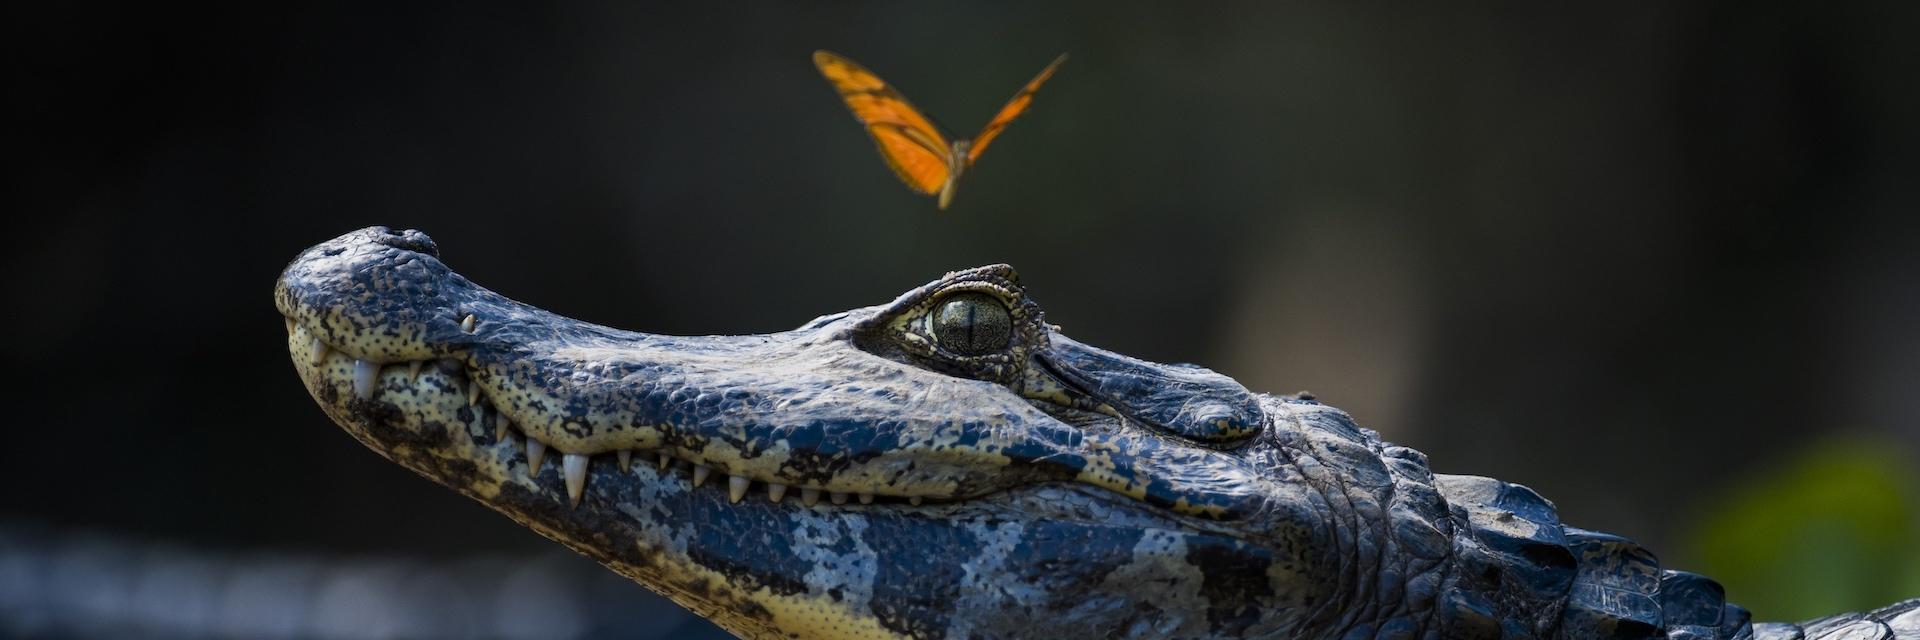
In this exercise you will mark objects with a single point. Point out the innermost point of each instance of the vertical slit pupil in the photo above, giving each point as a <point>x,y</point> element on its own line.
<point>972,337</point>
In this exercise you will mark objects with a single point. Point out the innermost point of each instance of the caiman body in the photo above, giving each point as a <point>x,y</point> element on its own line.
<point>950,465</point>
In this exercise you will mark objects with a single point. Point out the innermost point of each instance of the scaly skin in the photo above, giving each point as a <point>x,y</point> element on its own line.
<point>880,473</point>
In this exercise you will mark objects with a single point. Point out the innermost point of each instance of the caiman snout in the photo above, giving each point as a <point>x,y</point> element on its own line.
<point>894,401</point>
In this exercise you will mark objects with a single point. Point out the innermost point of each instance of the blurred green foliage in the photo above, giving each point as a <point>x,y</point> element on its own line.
<point>1831,531</point>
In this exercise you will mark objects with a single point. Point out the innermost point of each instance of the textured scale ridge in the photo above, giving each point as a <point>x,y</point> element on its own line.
<point>1511,563</point>
<point>1897,621</point>
<point>1615,591</point>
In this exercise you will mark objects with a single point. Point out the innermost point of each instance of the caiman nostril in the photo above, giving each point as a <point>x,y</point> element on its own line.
<point>410,239</point>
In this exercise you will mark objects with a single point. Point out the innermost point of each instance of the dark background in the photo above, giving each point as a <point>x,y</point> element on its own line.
<point>1632,255</point>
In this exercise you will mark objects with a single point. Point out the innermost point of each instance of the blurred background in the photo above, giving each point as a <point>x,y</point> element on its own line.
<point>1658,261</point>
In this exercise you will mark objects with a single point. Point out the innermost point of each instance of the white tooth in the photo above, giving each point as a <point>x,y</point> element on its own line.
<point>365,374</point>
<point>664,461</point>
<point>473,393</point>
<point>500,426</point>
<point>319,350</point>
<point>866,498</point>
<point>914,500</point>
<point>413,371</point>
<point>775,491</point>
<point>809,496</point>
<point>289,326</point>
<point>737,488</point>
<point>536,451</point>
<point>700,472</point>
<point>626,459</point>
<point>575,466</point>
<point>466,324</point>
<point>837,497</point>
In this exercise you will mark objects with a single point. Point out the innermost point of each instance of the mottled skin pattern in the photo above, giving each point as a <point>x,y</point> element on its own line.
<point>866,477</point>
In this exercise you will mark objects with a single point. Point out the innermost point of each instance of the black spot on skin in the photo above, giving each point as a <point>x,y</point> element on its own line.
<point>386,424</point>
<point>914,600</point>
<point>753,555</point>
<point>1233,580</point>
<point>749,573</point>
<point>457,473</point>
<point>1061,558</point>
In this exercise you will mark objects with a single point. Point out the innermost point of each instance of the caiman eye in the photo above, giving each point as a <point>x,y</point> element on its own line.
<point>972,324</point>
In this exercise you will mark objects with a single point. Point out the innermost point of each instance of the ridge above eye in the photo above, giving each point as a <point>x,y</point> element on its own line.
<point>972,324</point>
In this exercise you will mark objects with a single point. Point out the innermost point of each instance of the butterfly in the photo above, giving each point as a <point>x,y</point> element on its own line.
<point>912,146</point>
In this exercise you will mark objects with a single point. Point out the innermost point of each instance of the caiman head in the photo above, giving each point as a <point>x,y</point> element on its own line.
<point>946,464</point>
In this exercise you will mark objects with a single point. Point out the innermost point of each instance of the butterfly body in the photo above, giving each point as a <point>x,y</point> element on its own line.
<point>957,163</point>
<point>917,151</point>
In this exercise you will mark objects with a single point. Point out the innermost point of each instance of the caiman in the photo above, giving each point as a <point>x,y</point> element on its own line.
<point>950,465</point>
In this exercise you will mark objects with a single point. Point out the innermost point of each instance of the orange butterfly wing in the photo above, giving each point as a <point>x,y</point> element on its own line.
<point>1014,108</point>
<point>911,145</point>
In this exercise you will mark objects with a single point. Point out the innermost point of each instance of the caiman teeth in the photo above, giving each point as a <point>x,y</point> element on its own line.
<point>467,323</point>
<point>737,488</point>
<point>575,466</point>
<point>366,383</point>
<point>536,451</point>
<point>365,374</point>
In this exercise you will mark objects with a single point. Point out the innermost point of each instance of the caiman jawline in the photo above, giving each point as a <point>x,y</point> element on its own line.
<point>370,381</point>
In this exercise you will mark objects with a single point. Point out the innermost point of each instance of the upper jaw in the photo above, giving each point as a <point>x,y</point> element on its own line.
<point>805,408</point>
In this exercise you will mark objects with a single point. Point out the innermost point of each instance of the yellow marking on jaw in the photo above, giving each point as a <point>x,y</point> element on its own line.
<point>873,477</point>
<point>1038,386</point>
<point>1102,472</point>
<point>764,467</point>
<point>519,402</point>
<point>341,329</point>
<point>1213,511</point>
<point>1227,429</point>
<point>799,615</point>
<point>1035,385</point>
